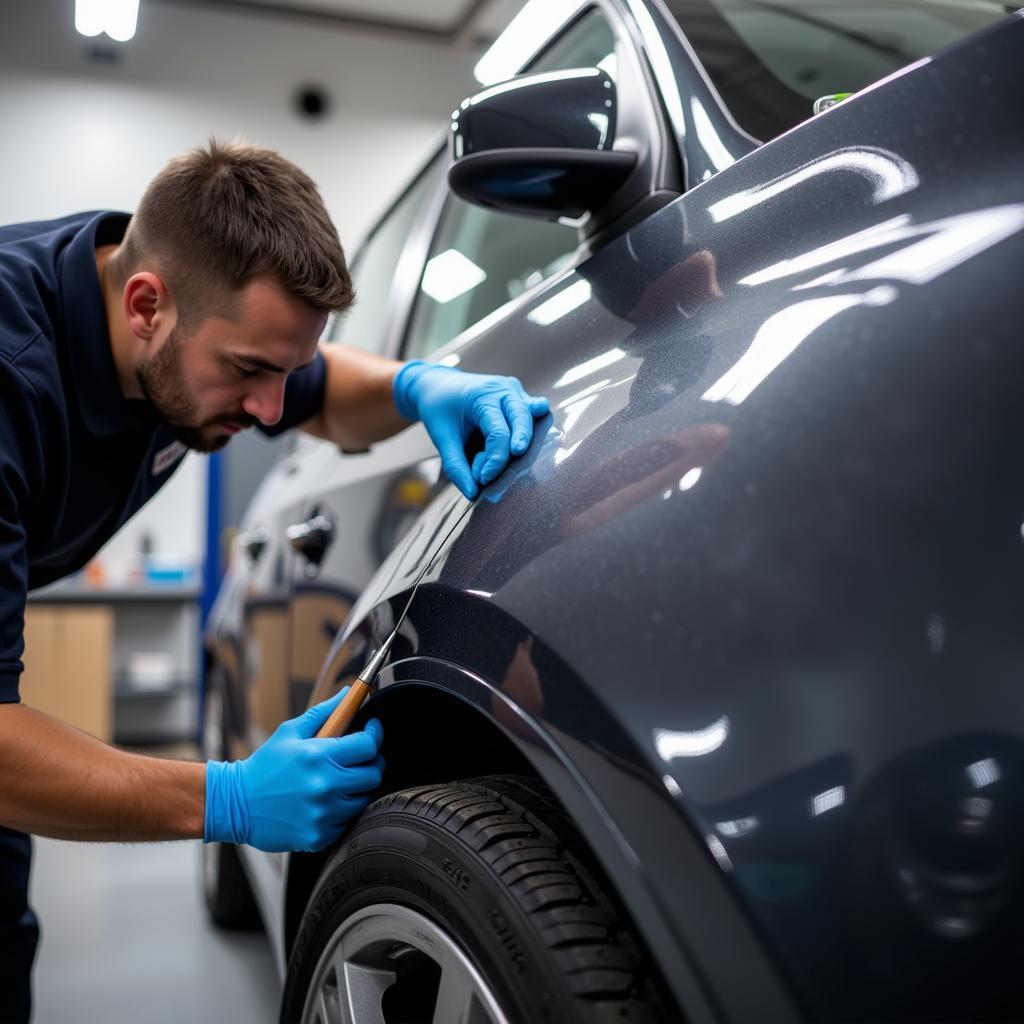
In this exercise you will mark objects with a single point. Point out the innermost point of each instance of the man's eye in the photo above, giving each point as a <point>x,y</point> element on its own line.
<point>245,371</point>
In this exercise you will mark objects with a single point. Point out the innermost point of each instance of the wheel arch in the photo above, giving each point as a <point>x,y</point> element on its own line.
<point>413,759</point>
<point>415,696</point>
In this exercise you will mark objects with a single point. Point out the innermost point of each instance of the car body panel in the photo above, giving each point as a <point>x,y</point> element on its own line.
<point>751,603</point>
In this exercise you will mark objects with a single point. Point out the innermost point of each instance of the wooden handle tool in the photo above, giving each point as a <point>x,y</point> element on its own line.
<point>341,717</point>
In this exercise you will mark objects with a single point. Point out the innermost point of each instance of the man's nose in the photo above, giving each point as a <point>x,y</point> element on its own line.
<point>266,400</point>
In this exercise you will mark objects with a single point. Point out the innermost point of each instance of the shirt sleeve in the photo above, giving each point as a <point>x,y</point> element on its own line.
<point>303,396</point>
<point>20,449</point>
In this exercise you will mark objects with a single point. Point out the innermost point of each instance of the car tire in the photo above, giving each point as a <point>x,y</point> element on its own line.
<point>226,890</point>
<point>480,888</point>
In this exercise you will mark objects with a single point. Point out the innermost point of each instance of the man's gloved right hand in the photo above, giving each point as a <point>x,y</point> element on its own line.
<point>295,792</point>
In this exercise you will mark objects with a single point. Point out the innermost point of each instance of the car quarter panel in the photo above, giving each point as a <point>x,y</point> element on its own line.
<point>774,526</point>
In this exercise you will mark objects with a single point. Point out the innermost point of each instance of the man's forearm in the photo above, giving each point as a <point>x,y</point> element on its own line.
<point>359,407</point>
<point>59,782</point>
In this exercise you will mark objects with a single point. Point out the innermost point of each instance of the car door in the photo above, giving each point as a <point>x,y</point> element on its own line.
<point>479,266</point>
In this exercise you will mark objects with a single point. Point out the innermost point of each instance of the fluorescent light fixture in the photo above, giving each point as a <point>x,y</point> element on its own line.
<point>590,366</point>
<point>518,43</point>
<point>737,827</point>
<point>118,18</point>
<point>977,807</point>
<point>828,800</point>
<point>450,274</point>
<point>670,743</point>
<point>718,851</point>
<point>671,785</point>
<point>690,478</point>
<point>561,304</point>
<point>984,773</point>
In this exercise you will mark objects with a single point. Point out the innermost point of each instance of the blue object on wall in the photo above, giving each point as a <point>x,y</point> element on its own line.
<point>212,569</point>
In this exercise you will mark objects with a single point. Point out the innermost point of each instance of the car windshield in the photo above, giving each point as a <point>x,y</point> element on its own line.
<point>771,59</point>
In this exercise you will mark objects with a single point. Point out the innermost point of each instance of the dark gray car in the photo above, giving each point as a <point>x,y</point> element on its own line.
<point>709,707</point>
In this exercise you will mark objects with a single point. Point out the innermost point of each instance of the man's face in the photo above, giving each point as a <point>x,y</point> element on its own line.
<point>229,374</point>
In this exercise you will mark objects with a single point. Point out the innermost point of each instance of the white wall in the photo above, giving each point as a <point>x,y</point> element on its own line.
<point>77,135</point>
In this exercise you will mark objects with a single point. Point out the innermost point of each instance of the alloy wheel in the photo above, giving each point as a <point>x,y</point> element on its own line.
<point>388,964</point>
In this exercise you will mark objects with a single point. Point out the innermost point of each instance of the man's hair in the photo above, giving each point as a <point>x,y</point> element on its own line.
<point>215,218</point>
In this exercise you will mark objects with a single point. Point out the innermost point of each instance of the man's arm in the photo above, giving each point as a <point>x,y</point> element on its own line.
<point>294,793</point>
<point>368,398</point>
<point>63,783</point>
<point>359,407</point>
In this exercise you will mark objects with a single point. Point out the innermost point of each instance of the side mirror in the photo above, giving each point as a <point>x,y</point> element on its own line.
<point>540,145</point>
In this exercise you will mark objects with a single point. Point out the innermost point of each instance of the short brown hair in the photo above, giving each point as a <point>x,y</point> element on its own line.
<point>215,218</point>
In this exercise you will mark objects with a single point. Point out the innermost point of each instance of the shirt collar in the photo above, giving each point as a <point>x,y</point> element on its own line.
<point>87,335</point>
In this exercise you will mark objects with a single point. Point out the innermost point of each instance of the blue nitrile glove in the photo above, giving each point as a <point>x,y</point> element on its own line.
<point>295,792</point>
<point>452,404</point>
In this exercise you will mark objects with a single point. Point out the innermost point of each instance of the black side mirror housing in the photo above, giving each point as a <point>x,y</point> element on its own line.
<point>540,145</point>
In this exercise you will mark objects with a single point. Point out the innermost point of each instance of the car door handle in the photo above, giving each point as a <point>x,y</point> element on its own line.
<point>311,538</point>
<point>254,542</point>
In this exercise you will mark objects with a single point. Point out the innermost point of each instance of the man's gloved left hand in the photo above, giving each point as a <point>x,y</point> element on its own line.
<point>452,404</point>
<point>296,791</point>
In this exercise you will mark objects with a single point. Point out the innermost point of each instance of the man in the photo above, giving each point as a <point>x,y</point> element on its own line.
<point>124,341</point>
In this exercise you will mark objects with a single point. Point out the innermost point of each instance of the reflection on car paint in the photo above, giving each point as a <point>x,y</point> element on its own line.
<point>887,174</point>
<point>948,243</point>
<point>780,336</point>
<point>560,304</point>
<point>672,743</point>
<point>828,801</point>
<point>715,148</point>
<point>585,369</point>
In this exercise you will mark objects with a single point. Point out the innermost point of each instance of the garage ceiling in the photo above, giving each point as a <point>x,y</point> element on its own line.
<point>439,13</point>
<point>438,20</point>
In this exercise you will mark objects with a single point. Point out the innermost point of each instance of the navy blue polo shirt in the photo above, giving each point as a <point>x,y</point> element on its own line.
<point>77,459</point>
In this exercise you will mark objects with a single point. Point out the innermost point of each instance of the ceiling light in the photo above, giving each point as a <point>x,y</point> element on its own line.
<point>518,43</point>
<point>118,18</point>
<point>450,274</point>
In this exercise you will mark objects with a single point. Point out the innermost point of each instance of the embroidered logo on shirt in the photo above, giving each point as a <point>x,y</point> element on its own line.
<point>167,457</point>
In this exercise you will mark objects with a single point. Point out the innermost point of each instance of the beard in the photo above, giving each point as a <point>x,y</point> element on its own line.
<point>163,383</point>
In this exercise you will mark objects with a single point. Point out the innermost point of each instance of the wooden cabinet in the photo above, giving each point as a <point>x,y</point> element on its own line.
<point>68,665</point>
<point>122,665</point>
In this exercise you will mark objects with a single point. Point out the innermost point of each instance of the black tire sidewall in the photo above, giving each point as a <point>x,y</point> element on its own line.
<point>403,859</point>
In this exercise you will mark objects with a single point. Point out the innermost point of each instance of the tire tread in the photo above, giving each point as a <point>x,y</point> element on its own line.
<point>517,827</point>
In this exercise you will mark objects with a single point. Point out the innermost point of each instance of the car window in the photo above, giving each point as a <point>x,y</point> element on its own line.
<point>373,269</point>
<point>481,259</point>
<point>771,59</point>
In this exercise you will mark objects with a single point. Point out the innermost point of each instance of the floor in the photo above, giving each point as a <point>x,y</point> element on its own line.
<point>125,938</point>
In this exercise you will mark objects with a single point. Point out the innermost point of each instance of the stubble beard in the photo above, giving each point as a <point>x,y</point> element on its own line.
<point>163,383</point>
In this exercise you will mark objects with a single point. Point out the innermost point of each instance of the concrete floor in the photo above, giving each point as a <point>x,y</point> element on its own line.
<point>125,938</point>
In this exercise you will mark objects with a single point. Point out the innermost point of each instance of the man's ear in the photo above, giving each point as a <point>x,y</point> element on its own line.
<point>147,304</point>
